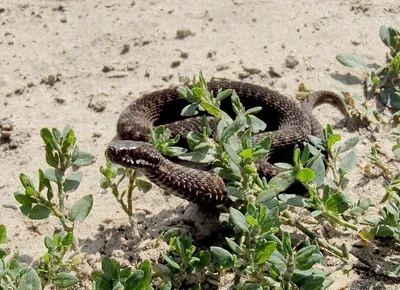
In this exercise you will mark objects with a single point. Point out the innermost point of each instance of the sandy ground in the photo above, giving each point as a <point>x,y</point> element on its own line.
<point>53,59</point>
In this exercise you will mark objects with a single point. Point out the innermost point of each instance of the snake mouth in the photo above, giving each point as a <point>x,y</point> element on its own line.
<point>133,154</point>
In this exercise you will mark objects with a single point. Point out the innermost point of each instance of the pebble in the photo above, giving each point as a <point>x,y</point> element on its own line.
<point>251,69</point>
<point>211,54</point>
<point>175,63</point>
<point>222,67</point>
<point>274,73</point>
<point>97,106</point>
<point>125,49</point>
<point>64,19</point>
<point>107,68</point>
<point>183,33</point>
<point>291,61</point>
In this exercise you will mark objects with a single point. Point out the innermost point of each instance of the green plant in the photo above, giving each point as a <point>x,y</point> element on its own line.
<point>384,81</point>
<point>113,277</point>
<point>112,176</point>
<point>14,274</point>
<point>39,202</point>
<point>183,265</point>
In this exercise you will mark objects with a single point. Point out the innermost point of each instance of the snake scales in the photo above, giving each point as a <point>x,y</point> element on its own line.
<point>288,124</point>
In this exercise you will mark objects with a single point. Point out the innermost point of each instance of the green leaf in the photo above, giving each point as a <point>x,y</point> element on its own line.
<point>190,110</point>
<point>338,203</point>
<point>287,244</point>
<point>349,144</point>
<point>52,156</point>
<point>26,181</point>
<point>223,257</point>
<point>235,247</point>
<point>171,262</point>
<point>349,161</point>
<point>303,259</point>
<point>72,182</point>
<point>223,94</point>
<point>68,239</point>
<point>390,97</point>
<point>81,209</point>
<point>125,273</point>
<point>263,252</point>
<point>198,157</point>
<point>3,233</point>
<point>3,253</point>
<point>256,124</point>
<point>211,109</point>
<point>84,159</point>
<point>48,138</point>
<point>251,221</point>
<point>166,286</point>
<point>162,271</point>
<point>53,175</point>
<point>110,268</point>
<point>49,244</point>
<point>305,175</point>
<point>293,200</point>
<point>387,35</point>
<point>145,282</point>
<point>318,168</point>
<point>203,259</point>
<point>307,280</point>
<point>38,212</point>
<point>238,219</point>
<point>65,280</point>
<point>29,280</point>
<point>143,185</point>
<point>351,60</point>
<point>135,280</point>
<point>332,140</point>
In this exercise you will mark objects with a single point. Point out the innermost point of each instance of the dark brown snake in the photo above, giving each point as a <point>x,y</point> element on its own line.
<point>288,124</point>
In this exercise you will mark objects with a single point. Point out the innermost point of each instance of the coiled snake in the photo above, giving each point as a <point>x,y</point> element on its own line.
<point>288,124</point>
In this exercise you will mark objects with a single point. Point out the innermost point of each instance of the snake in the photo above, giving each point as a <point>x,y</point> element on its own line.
<point>288,124</point>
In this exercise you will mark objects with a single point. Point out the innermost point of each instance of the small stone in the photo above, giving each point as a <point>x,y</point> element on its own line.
<point>211,54</point>
<point>107,68</point>
<point>2,9</point>
<point>125,49</point>
<point>183,33</point>
<point>184,54</point>
<point>30,84</point>
<point>132,66</point>
<point>175,63</point>
<point>60,100</point>
<point>274,73</point>
<point>147,74</point>
<point>355,42</point>
<point>64,19</point>
<point>251,69</point>
<point>10,206</point>
<point>243,75</point>
<point>117,75</point>
<point>222,67</point>
<point>317,25</point>
<point>19,91</point>
<point>97,106</point>
<point>291,61</point>
<point>51,80</point>
<point>97,134</point>
<point>167,78</point>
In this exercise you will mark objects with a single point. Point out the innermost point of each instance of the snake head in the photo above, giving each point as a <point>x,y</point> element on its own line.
<point>133,154</point>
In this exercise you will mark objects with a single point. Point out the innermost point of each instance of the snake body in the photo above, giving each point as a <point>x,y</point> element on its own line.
<point>288,124</point>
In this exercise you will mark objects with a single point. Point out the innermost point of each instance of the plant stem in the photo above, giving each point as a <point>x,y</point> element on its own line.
<point>339,221</point>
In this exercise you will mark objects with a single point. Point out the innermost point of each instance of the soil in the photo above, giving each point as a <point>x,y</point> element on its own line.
<point>80,63</point>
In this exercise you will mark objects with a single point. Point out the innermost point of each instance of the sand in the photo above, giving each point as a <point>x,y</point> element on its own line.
<point>82,62</point>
